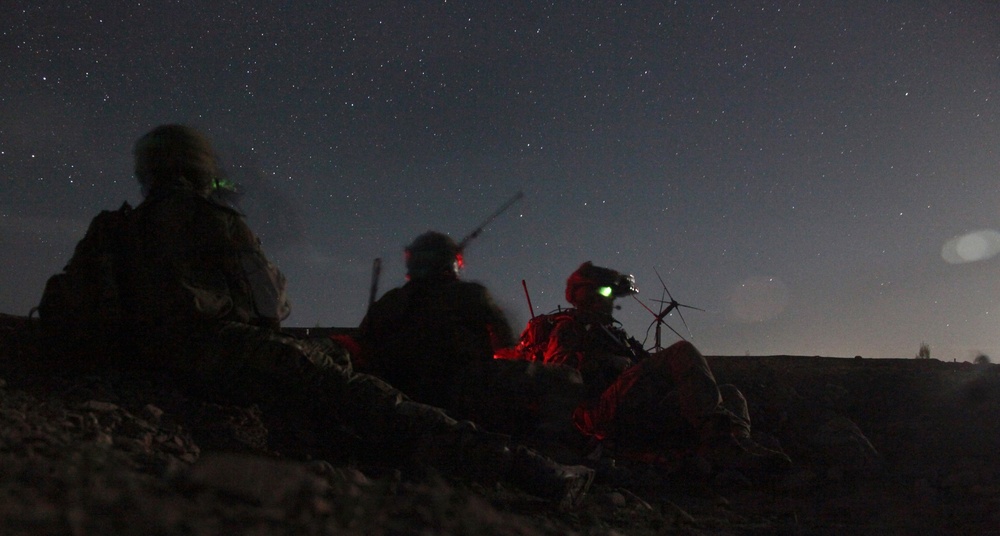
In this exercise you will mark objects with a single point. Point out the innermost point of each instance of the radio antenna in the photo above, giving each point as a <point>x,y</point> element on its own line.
<point>666,307</point>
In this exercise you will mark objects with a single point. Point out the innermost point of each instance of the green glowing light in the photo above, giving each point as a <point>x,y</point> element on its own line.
<point>604,291</point>
<point>225,184</point>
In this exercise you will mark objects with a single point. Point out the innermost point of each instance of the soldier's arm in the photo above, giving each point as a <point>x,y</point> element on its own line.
<point>501,333</point>
<point>267,283</point>
<point>565,345</point>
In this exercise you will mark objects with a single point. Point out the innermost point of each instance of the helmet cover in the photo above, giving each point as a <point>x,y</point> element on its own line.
<point>433,254</point>
<point>588,280</point>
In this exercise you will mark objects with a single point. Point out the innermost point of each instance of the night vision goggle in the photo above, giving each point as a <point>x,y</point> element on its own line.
<point>623,285</point>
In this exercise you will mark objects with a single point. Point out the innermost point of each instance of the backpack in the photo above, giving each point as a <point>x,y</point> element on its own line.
<point>535,337</point>
<point>85,298</point>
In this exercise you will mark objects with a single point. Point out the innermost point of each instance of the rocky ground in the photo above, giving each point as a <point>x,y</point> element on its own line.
<point>893,446</point>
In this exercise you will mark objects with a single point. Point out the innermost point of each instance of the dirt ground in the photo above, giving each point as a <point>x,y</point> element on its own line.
<point>888,446</point>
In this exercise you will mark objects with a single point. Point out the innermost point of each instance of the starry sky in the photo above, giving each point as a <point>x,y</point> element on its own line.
<point>821,178</point>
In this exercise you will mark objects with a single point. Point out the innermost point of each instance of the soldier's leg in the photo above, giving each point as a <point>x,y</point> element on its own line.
<point>715,419</point>
<point>606,418</point>
<point>313,375</point>
<point>430,436</point>
<point>317,376</point>
<point>725,440</point>
<point>698,393</point>
<point>736,404</point>
<point>643,408</point>
<point>670,389</point>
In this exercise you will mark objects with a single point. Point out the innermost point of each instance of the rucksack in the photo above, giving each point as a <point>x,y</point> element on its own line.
<point>85,298</point>
<point>535,337</point>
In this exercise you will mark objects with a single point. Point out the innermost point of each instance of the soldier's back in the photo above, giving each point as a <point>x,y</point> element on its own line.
<point>421,335</point>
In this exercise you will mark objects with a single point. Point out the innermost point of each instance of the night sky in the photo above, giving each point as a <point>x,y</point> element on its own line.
<point>820,177</point>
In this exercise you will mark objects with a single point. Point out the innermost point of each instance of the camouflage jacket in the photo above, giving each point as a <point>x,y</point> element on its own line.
<point>176,259</point>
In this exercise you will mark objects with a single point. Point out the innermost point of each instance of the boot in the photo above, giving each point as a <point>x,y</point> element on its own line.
<point>466,452</point>
<point>470,453</point>
<point>727,445</point>
<point>564,485</point>
<point>743,454</point>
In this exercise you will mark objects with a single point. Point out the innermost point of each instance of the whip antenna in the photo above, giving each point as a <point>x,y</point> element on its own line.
<point>528,297</point>
<point>471,236</point>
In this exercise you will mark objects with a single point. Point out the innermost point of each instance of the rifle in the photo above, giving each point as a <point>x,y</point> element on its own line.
<point>471,236</point>
<point>376,272</point>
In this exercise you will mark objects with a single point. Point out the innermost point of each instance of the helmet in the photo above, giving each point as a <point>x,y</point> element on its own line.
<point>176,156</point>
<point>589,281</point>
<point>433,254</point>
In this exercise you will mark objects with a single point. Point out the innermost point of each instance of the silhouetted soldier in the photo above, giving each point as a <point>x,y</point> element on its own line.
<point>425,336</point>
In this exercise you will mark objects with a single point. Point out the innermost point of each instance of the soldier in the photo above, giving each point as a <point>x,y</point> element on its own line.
<point>181,282</point>
<point>667,403</point>
<point>436,338</point>
<point>436,329</point>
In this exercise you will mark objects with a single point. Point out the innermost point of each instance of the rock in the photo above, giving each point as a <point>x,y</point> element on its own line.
<point>152,413</point>
<point>100,407</point>
<point>264,481</point>
<point>845,447</point>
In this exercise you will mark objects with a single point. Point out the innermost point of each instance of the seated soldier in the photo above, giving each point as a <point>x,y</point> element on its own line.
<point>180,283</point>
<point>422,337</point>
<point>435,338</point>
<point>666,404</point>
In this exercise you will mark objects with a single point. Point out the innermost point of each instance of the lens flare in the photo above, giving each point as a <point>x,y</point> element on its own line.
<point>971,247</point>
